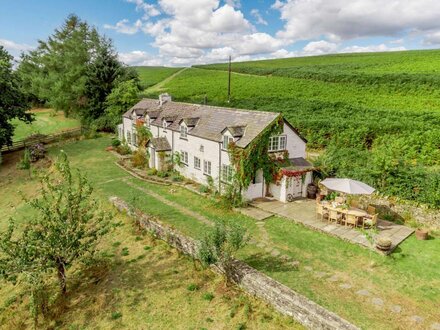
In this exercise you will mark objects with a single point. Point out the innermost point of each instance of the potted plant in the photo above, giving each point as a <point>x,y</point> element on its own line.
<point>422,233</point>
<point>383,243</point>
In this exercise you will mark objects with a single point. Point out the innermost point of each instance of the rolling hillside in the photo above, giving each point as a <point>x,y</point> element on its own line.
<point>376,115</point>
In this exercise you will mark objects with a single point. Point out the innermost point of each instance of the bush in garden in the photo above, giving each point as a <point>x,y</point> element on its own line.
<point>116,143</point>
<point>37,151</point>
<point>139,158</point>
<point>25,162</point>
<point>151,171</point>
<point>123,149</point>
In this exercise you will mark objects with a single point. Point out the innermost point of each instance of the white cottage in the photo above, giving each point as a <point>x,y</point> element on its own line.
<point>201,135</point>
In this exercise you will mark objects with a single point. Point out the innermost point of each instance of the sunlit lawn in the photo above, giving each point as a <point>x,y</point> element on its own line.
<point>46,122</point>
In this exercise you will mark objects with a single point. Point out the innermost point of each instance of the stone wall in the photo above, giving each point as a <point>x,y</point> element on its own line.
<point>282,298</point>
<point>404,211</point>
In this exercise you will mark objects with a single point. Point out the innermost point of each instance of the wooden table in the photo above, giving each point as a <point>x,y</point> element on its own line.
<point>358,213</point>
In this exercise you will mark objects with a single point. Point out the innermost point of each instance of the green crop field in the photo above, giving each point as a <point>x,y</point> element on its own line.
<point>375,116</point>
<point>151,75</point>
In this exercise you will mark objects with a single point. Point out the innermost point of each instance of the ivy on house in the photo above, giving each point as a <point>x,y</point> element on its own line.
<point>247,161</point>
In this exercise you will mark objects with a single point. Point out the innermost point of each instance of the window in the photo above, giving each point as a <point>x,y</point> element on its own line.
<point>207,167</point>
<point>184,157</point>
<point>197,163</point>
<point>227,173</point>
<point>183,131</point>
<point>129,137</point>
<point>134,137</point>
<point>226,140</point>
<point>277,143</point>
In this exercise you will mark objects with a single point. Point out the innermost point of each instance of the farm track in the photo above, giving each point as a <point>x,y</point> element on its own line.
<point>158,87</point>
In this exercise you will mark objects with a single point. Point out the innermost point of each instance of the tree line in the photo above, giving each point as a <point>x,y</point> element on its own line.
<point>75,70</point>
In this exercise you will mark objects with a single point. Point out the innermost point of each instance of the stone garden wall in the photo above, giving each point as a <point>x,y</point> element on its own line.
<point>404,211</point>
<point>282,298</point>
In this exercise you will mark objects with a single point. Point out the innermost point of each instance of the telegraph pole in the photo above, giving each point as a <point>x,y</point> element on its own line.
<point>229,80</point>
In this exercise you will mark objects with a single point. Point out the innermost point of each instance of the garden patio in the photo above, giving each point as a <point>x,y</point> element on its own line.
<point>304,211</point>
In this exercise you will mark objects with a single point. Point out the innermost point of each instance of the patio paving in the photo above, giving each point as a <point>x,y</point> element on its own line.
<point>304,211</point>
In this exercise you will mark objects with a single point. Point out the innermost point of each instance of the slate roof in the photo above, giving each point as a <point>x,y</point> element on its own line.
<point>160,144</point>
<point>236,131</point>
<point>299,163</point>
<point>211,120</point>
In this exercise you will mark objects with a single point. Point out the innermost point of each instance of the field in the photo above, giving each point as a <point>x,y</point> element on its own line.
<point>151,75</point>
<point>145,284</point>
<point>46,122</point>
<point>409,277</point>
<point>376,116</point>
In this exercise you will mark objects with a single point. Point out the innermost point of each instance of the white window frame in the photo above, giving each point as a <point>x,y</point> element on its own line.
<point>164,125</point>
<point>225,144</point>
<point>227,173</point>
<point>207,166</point>
<point>277,143</point>
<point>134,138</point>
<point>183,132</point>
<point>184,157</point>
<point>128,137</point>
<point>197,163</point>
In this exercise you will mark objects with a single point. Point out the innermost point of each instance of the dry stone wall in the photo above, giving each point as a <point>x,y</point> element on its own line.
<point>282,298</point>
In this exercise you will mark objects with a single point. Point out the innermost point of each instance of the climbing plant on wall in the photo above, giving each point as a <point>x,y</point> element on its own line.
<point>247,161</point>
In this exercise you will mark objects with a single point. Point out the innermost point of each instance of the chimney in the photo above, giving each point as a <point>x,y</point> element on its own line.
<point>165,97</point>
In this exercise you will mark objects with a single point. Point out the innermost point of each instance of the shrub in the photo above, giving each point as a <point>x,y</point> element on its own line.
<point>123,149</point>
<point>162,174</point>
<point>37,151</point>
<point>116,315</point>
<point>125,252</point>
<point>176,177</point>
<point>25,162</point>
<point>139,158</point>
<point>193,287</point>
<point>204,189</point>
<point>208,296</point>
<point>151,171</point>
<point>116,143</point>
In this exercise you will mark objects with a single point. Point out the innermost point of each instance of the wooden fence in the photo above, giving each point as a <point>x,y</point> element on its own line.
<point>42,138</point>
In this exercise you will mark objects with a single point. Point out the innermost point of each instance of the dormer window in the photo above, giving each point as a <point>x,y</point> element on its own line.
<point>226,141</point>
<point>183,132</point>
<point>277,143</point>
<point>164,125</point>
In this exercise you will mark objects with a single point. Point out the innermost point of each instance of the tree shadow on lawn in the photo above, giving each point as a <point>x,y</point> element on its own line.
<point>268,263</point>
<point>101,287</point>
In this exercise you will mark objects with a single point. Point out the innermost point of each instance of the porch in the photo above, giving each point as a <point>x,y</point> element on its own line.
<point>304,211</point>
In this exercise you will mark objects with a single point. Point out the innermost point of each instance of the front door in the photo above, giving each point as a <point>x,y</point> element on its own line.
<point>293,187</point>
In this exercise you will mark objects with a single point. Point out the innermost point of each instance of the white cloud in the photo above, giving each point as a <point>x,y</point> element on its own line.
<point>14,48</point>
<point>432,38</point>
<point>320,47</point>
<point>149,10</point>
<point>342,20</point>
<point>139,57</point>
<point>233,3</point>
<point>258,18</point>
<point>124,26</point>
<point>371,48</point>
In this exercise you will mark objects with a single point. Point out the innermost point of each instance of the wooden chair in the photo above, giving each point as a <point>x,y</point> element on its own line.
<point>351,219</point>
<point>354,203</point>
<point>370,222</point>
<point>371,210</point>
<point>340,199</point>
<point>321,212</point>
<point>335,216</point>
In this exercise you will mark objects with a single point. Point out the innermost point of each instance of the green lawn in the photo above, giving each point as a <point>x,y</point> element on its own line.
<point>144,284</point>
<point>410,277</point>
<point>45,123</point>
<point>151,75</point>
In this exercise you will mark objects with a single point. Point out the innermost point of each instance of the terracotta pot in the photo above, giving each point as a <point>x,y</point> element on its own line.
<point>422,234</point>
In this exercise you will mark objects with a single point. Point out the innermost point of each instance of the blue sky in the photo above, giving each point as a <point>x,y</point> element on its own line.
<point>185,32</point>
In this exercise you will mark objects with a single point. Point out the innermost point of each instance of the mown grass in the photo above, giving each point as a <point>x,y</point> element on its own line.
<point>46,122</point>
<point>151,75</point>
<point>410,277</point>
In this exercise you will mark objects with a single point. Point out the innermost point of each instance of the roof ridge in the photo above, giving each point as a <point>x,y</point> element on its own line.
<point>218,107</point>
